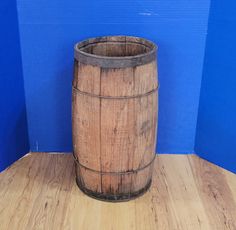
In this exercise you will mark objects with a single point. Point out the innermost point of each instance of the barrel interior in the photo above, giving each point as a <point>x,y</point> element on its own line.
<point>116,47</point>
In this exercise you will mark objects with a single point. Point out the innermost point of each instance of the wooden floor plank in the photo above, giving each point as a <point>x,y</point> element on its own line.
<point>231,181</point>
<point>184,201</point>
<point>39,192</point>
<point>216,194</point>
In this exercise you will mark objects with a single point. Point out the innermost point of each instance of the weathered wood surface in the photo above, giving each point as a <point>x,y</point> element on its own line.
<point>113,134</point>
<point>187,193</point>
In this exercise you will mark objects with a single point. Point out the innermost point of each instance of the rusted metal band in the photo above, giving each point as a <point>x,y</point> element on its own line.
<point>112,62</point>
<point>115,97</point>
<point>115,62</point>
<point>114,173</point>
<point>119,197</point>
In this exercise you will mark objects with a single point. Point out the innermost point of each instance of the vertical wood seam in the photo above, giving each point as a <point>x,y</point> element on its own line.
<point>100,123</point>
<point>131,177</point>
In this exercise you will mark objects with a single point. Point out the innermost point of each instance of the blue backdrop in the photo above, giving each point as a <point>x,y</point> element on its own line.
<point>49,29</point>
<point>13,125</point>
<point>216,131</point>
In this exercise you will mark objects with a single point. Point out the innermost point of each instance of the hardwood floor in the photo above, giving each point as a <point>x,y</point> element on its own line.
<point>39,192</point>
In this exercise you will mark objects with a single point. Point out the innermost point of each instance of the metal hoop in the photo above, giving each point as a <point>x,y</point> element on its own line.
<point>116,173</point>
<point>115,97</point>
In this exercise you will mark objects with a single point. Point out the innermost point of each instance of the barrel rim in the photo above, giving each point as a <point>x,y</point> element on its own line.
<point>116,61</point>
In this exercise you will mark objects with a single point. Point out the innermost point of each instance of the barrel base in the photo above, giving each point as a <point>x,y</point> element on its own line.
<point>113,198</point>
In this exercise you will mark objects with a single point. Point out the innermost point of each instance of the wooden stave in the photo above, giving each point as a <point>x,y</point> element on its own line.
<point>100,191</point>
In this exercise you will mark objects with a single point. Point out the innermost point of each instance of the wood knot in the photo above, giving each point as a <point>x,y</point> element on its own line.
<point>146,126</point>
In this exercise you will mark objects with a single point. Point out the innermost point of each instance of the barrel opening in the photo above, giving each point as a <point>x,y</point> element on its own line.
<point>116,46</point>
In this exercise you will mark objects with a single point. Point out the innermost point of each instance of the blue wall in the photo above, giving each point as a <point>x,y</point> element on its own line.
<point>13,125</point>
<point>49,29</point>
<point>216,127</point>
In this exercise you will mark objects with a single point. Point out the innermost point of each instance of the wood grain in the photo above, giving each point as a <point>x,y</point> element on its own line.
<point>39,192</point>
<point>216,194</point>
<point>114,135</point>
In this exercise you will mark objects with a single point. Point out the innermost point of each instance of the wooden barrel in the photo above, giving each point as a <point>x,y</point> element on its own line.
<point>114,116</point>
